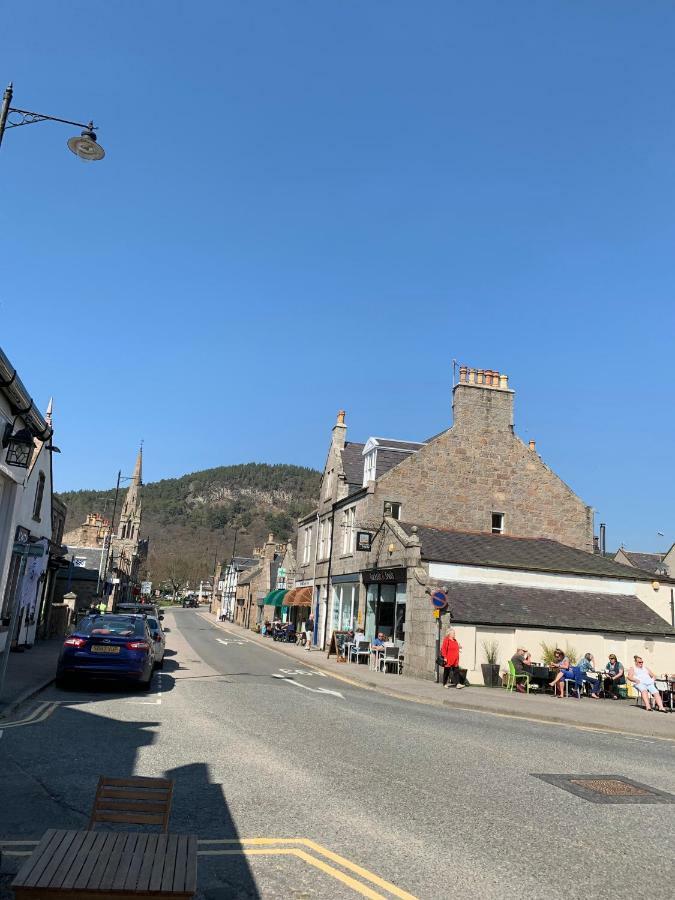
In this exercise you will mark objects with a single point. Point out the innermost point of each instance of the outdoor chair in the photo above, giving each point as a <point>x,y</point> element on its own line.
<point>132,801</point>
<point>390,657</point>
<point>576,683</point>
<point>514,678</point>
<point>359,650</point>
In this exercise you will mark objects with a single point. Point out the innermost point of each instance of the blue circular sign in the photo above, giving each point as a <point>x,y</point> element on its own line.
<point>439,599</point>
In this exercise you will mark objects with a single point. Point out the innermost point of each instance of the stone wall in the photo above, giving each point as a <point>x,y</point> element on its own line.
<point>478,467</point>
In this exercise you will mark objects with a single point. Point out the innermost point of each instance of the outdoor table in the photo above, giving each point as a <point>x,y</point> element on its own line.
<point>539,674</point>
<point>91,865</point>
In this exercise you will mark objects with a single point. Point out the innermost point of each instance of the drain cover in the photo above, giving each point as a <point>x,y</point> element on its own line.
<point>607,788</point>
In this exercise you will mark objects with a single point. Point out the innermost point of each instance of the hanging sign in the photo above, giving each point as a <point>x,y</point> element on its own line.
<point>364,541</point>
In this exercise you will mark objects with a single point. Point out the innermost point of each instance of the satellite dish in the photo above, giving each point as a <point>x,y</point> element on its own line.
<point>85,145</point>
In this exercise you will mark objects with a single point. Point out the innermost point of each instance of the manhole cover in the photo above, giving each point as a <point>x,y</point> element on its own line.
<point>612,787</point>
<point>607,788</point>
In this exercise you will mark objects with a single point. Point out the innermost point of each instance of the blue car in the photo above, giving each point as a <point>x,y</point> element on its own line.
<point>114,647</point>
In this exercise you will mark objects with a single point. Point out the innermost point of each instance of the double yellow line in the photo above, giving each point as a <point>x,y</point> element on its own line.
<point>298,848</point>
<point>41,712</point>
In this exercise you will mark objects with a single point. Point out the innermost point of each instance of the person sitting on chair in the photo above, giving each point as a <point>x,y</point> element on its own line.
<point>564,673</point>
<point>614,676</point>
<point>643,679</point>
<point>522,666</point>
<point>587,665</point>
<point>379,640</point>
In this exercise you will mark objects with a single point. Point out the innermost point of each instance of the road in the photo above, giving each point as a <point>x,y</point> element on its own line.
<point>354,792</point>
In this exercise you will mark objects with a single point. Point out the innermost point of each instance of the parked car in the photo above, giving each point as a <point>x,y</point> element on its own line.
<point>158,639</point>
<point>110,646</point>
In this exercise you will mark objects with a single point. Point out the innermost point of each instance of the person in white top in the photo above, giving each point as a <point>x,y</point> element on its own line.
<point>643,679</point>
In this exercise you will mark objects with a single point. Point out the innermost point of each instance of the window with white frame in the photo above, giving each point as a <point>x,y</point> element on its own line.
<point>348,533</point>
<point>369,467</point>
<point>328,484</point>
<point>392,509</point>
<point>322,540</point>
<point>307,545</point>
<point>497,523</point>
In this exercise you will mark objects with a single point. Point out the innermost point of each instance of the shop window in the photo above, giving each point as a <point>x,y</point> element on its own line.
<point>39,494</point>
<point>392,509</point>
<point>497,523</point>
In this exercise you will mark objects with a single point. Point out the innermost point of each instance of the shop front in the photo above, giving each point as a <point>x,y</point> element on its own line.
<point>298,603</point>
<point>385,603</point>
<point>344,603</point>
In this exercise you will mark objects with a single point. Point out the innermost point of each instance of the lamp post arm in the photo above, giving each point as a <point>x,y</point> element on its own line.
<point>28,118</point>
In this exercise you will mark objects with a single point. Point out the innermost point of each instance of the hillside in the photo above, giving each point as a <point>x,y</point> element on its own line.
<point>191,520</point>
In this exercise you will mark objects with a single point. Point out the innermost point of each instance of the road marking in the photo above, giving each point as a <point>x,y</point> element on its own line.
<point>302,672</point>
<point>41,712</point>
<point>270,843</point>
<point>307,687</point>
<point>225,643</point>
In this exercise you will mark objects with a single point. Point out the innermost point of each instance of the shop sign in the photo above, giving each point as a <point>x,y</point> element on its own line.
<point>364,541</point>
<point>22,535</point>
<point>384,576</point>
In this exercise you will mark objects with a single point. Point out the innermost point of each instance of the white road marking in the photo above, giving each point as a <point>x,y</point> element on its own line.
<point>302,672</point>
<point>307,687</point>
<point>238,643</point>
<point>41,712</point>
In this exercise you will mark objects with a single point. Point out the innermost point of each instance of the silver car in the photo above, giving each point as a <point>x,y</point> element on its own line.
<point>158,639</point>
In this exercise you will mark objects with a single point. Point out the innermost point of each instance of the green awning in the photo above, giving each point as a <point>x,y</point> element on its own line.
<point>275,598</point>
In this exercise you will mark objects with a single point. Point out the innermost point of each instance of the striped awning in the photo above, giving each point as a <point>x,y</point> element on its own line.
<point>299,597</point>
<point>275,598</point>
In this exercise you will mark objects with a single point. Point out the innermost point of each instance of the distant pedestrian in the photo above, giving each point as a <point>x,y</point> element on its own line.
<point>102,607</point>
<point>450,653</point>
<point>309,632</point>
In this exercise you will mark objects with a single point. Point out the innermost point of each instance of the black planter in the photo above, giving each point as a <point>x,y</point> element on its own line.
<point>490,675</point>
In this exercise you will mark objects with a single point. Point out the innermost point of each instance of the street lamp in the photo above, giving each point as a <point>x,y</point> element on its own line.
<point>19,446</point>
<point>84,145</point>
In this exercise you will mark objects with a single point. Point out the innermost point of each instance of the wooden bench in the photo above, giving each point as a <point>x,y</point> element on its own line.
<point>91,865</point>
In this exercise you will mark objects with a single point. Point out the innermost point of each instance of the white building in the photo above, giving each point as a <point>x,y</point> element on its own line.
<point>25,508</point>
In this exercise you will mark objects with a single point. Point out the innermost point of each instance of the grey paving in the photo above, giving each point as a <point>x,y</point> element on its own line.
<point>438,801</point>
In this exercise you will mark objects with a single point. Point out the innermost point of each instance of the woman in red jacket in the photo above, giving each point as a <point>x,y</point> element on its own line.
<point>450,653</point>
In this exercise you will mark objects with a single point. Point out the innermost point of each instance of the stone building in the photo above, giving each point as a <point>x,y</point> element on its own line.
<point>477,477</point>
<point>255,583</point>
<point>657,563</point>
<point>102,562</point>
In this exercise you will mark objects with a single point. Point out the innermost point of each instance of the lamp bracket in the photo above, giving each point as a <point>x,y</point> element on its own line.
<point>25,117</point>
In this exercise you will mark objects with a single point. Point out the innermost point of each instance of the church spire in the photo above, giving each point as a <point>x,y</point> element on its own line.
<point>130,519</point>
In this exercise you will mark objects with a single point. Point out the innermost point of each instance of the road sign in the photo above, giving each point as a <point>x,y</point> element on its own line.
<point>437,614</point>
<point>439,599</point>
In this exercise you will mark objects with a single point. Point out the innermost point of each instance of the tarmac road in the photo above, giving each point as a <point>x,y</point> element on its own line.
<point>353,793</point>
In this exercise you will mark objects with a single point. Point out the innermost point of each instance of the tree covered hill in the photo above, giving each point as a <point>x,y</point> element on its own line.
<point>191,520</point>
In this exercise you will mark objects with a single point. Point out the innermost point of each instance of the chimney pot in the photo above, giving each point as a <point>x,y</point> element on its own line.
<point>341,417</point>
<point>533,445</point>
<point>504,382</point>
<point>462,373</point>
<point>472,376</point>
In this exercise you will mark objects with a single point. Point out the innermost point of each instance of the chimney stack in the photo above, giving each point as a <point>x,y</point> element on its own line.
<point>483,401</point>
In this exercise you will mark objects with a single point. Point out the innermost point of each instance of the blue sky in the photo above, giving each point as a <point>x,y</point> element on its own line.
<point>308,206</point>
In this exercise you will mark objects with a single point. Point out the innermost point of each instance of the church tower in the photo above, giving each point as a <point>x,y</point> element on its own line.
<point>130,519</point>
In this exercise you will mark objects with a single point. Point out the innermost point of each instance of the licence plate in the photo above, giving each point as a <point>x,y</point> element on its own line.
<point>105,648</point>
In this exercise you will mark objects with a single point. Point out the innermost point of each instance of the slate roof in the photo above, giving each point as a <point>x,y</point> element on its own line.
<point>387,459</point>
<point>648,562</point>
<point>352,462</point>
<point>91,555</point>
<point>504,552</point>
<point>511,605</point>
<point>398,445</point>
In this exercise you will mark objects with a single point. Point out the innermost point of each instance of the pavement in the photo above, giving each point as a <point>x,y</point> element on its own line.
<point>623,716</point>
<point>28,672</point>
<point>299,784</point>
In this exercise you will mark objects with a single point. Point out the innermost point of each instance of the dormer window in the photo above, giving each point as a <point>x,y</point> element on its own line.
<point>369,464</point>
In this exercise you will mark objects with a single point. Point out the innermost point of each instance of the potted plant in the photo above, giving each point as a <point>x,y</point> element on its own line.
<point>490,668</point>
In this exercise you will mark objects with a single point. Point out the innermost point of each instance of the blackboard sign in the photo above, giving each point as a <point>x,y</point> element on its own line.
<point>338,639</point>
